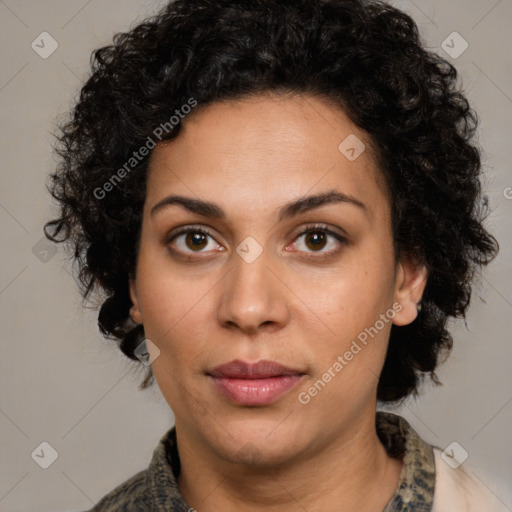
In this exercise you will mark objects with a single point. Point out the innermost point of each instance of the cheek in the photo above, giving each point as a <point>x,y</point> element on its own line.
<point>352,295</point>
<point>348,304</point>
<point>164,299</point>
<point>172,320</point>
<point>174,314</point>
<point>176,324</point>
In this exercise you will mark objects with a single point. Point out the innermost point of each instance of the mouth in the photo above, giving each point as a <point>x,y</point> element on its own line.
<point>260,383</point>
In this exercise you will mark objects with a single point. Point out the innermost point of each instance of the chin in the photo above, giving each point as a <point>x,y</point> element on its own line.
<point>260,444</point>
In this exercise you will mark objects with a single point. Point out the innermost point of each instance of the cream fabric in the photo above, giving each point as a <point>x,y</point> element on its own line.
<point>460,490</point>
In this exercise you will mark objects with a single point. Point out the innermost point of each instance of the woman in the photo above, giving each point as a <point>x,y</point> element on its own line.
<point>280,202</point>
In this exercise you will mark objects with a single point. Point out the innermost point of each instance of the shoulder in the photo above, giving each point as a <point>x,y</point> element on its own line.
<point>459,490</point>
<point>154,489</point>
<point>133,494</point>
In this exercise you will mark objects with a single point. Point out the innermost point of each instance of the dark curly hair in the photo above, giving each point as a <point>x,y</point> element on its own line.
<point>366,57</point>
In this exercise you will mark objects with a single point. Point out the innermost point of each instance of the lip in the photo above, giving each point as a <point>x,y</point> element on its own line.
<point>258,383</point>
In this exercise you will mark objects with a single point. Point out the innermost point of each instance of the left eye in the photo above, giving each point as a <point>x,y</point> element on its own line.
<point>317,239</point>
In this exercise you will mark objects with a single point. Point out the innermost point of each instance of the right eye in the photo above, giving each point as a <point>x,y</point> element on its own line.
<point>192,240</point>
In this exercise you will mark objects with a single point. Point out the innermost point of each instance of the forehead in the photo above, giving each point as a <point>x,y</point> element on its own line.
<point>266,149</point>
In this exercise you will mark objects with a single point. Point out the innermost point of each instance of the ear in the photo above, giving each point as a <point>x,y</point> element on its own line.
<point>410,284</point>
<point>135,313</point>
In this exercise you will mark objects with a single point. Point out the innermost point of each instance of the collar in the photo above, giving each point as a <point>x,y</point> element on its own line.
<point>414,492</point>
<point>416,483</point>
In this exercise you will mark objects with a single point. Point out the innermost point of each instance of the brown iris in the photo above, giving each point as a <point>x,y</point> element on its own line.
<point>197,240</point>
<point>316,238</point>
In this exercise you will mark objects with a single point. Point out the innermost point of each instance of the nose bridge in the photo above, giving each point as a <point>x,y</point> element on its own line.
<point>251,296</point>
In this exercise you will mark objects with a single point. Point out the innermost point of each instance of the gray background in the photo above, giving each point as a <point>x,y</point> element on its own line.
<point>60,382</point>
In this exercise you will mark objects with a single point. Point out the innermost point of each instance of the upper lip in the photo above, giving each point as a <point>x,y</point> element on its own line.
<point>261,370</point>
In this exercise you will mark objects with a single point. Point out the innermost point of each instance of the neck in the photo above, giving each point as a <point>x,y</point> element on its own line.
<point>351,473</point>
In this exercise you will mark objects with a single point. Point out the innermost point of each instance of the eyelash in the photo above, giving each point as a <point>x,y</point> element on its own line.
<point>310,229</point>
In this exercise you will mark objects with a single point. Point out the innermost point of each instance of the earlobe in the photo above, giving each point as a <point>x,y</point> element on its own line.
<point>410,284</point>
<point>135,313</point>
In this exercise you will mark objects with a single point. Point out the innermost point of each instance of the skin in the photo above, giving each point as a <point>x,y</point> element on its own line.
<point>299,303</point>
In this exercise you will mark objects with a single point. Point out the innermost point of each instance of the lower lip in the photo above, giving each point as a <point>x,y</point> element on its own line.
<point>255,391</point>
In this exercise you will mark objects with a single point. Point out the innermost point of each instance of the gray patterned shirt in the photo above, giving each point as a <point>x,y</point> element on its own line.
<point>155,489</point>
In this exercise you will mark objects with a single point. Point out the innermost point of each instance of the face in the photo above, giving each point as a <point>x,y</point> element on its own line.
<point>266,277</point>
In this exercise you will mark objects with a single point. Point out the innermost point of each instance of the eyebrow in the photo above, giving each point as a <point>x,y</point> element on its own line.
<point>209,209</point>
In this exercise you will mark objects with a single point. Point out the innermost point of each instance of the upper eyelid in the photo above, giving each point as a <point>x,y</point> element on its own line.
<point>186,229</point>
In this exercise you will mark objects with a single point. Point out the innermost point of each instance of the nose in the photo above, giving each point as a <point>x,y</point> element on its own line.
<point>253,297</point>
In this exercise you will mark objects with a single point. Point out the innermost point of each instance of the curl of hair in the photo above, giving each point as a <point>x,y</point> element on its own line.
<point>367,58</point>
